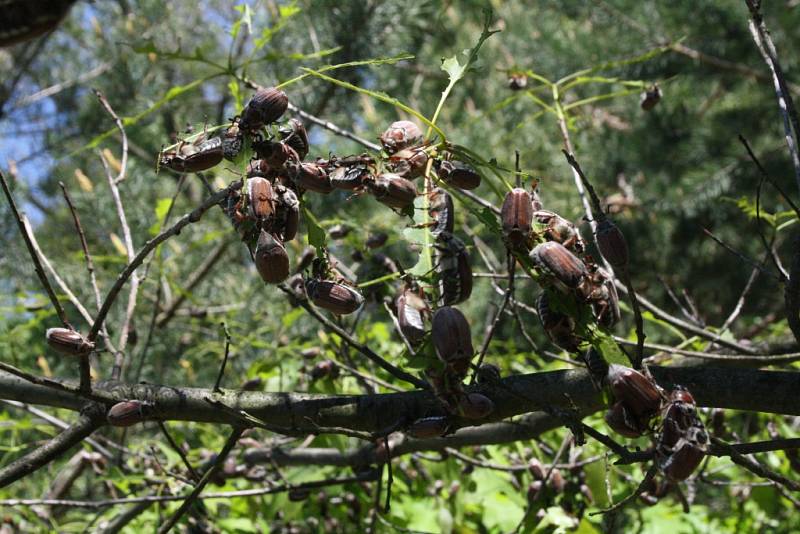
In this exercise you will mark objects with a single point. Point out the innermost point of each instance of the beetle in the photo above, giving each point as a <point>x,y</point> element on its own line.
<point>597,366</point>
<point>475,406</point>
<point>189,157</point>
<point>429,427</point>
<point>599,290</point>
<point>451,335</point>
<point>640,395</point>
<point>261,198</point>
<point>232,142</point>
<point>517,216</point>
<point>612,244</point>
<point>278,155</point>
<point>558,229</point>
<point>314,177</point>
<point>287,213</point>
<point>409,163</point>
<point>68,341</point>
<point>458,174</point>
<point>683,460</point>
<point>392,190</point>
<point>258,167</point>
<point>272,261</point>
<point>127,413</point>
<point>441,211</point>
<point>400,135</point>
<point>560,328</point>
<point>411,312</point>
<point>266,106</point>
<point>350,178</point>
<point>650,97</point>
<point>294,134</point>
<point>376,240</point>
<point>334,297</point>
<point>446,386</point>
<point>455,273</point>
<point>622,422</point>
<point>561,266</point>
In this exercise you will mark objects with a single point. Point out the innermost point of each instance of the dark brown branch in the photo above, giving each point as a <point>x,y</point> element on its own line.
<point>753,466</point>
<point>37,265</point>
<point>224,358</point>
<point>218,461</point>
<point>89,420</point>
<point>148,247</point>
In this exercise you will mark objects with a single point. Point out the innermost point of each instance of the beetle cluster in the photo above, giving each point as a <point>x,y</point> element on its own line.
<point>565,269</point>
<point>681,440</point>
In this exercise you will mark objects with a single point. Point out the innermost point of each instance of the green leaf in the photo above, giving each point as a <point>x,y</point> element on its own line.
<point>316,235</point>
<point>420,236</point>
<point>456,70</point>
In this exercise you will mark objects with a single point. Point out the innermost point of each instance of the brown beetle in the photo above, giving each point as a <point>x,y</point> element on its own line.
<point>266,106</point>
<point>279,156</point>
<point>400,135</point>
<point>640,395</point>
<point>441,211</point>
<point>194,158</point>
<point>429,427</point>
<point>683,460</point>
<point>560,265</point>
<point>622,422</point>
<point>451,335</point>
<point>560,328</point>
<point>411,312</point>
<point>261,198</point>
<point>314,178</point>
<point>272,261</point>
<point>409,163</point>
<point>559,229</point>
<point>599,290</point>
<point>517,216</point>
<point>612,244</point>
<point>393,190</point>
<point>127,413</point>
<point>68,341</point>
<point>455,273</point>
<point>294,134</point>
<point>475,406</point>
<point>459,174</point>
<point>336,298</point>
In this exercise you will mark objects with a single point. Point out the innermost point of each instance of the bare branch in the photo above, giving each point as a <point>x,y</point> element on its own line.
<point>88,422</point>
<point>36,264</point>
<point>218,461</point>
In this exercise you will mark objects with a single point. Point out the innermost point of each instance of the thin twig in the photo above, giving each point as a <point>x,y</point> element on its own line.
<point>224,358</point>
<point>363,349</point>
<point>123,166</point>
<point>195,476</point>
<point>84,245</point>
<point>218,461</point>
<point>498,315</point>
<point>750,261</point>
<point>649,475</point>
<point>62,315</point>
<point>753,466</point>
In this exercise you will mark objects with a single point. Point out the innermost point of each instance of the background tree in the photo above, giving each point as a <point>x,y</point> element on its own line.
<point>716,324</point>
